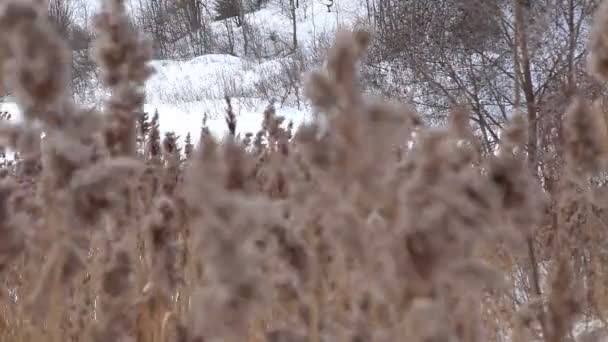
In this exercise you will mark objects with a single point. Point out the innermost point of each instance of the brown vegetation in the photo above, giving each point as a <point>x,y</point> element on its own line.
<point>364,225</point>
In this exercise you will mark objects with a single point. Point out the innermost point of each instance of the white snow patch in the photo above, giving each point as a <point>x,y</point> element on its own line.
<point>188,118</point>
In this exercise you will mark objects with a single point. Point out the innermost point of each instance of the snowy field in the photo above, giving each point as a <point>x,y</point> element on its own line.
<point>183,91</point>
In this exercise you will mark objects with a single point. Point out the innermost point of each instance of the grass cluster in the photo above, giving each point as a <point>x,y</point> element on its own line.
<point>364,225</point>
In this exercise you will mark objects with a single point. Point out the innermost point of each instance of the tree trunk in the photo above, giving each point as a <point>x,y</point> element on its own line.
<point>527,86</point>
<point>294,24</point>
<point>244,27</point>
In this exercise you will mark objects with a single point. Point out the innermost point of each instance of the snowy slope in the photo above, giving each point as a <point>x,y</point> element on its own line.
<point>183,91</point>
<point>313,19</point>
<point>187,118</point>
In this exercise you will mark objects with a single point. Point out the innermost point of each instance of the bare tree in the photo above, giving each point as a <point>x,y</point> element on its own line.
<point>195,15</point>
<point>62,15</point>
<point>235,10</point>
<point>158,19</point>
<point>497,58</point>
<point>294,23</point>
<point>468,58</point>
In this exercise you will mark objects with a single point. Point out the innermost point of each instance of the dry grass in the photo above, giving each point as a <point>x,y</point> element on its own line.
<point>362,226</point>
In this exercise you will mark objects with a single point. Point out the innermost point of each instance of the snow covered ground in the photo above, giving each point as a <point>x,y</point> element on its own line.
<point>187,118</point>
<point>183,91</point>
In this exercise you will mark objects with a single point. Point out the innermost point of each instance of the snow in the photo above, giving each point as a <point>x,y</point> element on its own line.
<point>183,91</point>
<point>188,119</point>
<point>184,119</point>
<point>10,107</point>
<point>314,23</point>
<point>201,78</point>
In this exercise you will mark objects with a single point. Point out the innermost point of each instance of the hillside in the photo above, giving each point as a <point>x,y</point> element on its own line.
<point>182,91</point>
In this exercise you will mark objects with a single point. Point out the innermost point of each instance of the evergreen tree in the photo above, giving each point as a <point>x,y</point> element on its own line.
<point>230,117</point>
<point>143,124</point>
<point>172,157</point>
<point>189,147</point>
<point>226,9</point>
<point>154,147</point>
<point>204,128</point>
<point>171,146</point>
<point>143,127</point>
